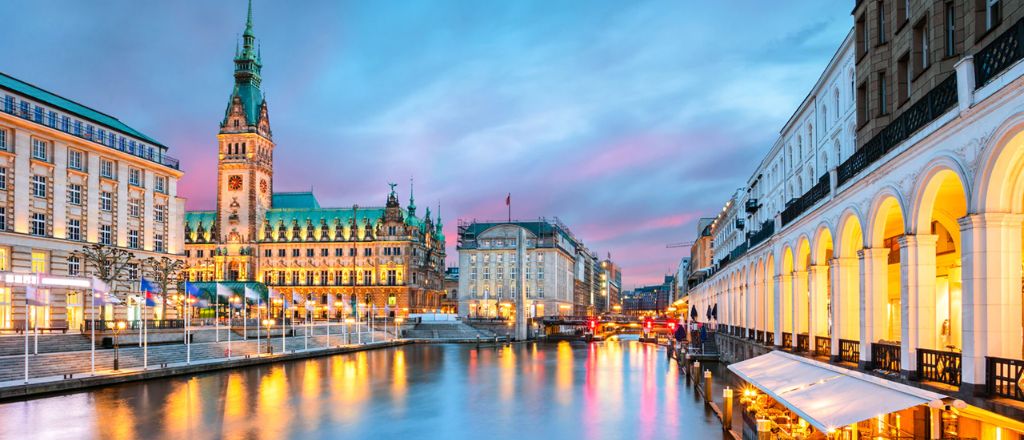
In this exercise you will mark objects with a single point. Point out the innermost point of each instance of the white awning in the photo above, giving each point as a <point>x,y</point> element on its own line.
<point>824,395</point>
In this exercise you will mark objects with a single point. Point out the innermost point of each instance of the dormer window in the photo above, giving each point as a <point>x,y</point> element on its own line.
<point>236,123</point>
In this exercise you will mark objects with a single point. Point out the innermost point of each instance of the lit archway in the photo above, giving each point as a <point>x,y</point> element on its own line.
<point>932,275</point>
<point>821,283</point>
<point>787,290</point>
<point>887,228</point>
<point>846,292</point>
<point>801,294</point>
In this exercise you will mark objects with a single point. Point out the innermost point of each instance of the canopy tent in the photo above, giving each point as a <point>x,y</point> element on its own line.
<point>826,396</point>
<point>207,290</point>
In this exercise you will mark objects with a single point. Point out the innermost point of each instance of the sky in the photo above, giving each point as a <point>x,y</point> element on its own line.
<point>627,120</point>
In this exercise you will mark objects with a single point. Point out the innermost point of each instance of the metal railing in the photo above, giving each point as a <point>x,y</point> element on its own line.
<point>759,336</point>
<point>151,324</point>
<point>151,153</point>
<point>823,346</point>
<point>927,109</point>
<point>769,338</point>
<point>885,357</point>
<point>787,340</point>
<point>817,192</point>
<point>939,366</point>
<point>757,237</point>
<point>849,351</point>
<point>1002,377</point>
<point>999,55</point>
<point>803,342</point>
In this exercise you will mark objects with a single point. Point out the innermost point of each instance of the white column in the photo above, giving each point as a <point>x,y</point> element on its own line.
<point>817,324</point>
<point>780,280</point>
<point>60,189</point>
<point>845,301</point>
<point>801,304</point>
<point>991,256</point>
<point>917,297</point>
<point>22,180</point>
<point>873,298</point>
<point>92,202</point>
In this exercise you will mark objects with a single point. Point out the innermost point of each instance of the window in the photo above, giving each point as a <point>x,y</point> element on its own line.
<point>281,253</point>
<point>40,149</point>
<point>268,253</point>
<point>921,47</point>
<point>295,253</point>
<point>133,239</point>
<point>309,252</point>
<point>883,95</point>
<point>107,168</point>
<point>133,271</point>
<point>134,209</point>
<point>5,262</point>
<point>338,252</point>
<point>106,202</point>
<point>950,30</point>
<point>880,7</point>
<point>3,218</point>
<point>367,252</point>
<point>75,160</point>
<point>134,176</point>
<point>39,186</point>
<point>74,266</point>
<point>3,178</point>
<point>38,262</point>
<point>862,103</point>
<point>38,224</point>
<point>199,253</point>
<point>160,213</point>
<point>902,11</point>
<point>158,242</point>
<point>4,143</point>
<point>863,41</point>
<point>392,278</point>
<point>106,235</point>
<point>160,184</point>
<point>487,273</point>
<point>540,291</point>
<point>75,194</point>
<point>392,230</point>
<point>993,14</point>
<point>903,78</point>
<point>74,229</point>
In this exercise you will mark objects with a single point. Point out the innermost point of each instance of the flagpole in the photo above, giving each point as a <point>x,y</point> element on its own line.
<point>328,321</point>
<point>230,315</point>
<point>145,337</point>
<point>284,331</point>
<point>92,349</point>
<point>216,315</point>
<point>257,324</point>
<point>26,335</point>
<point>245,317</point>
<point>305,334</point>
<point>188,322</point>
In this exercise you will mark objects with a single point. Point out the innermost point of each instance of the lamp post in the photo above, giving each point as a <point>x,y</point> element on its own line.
<point>268,323</point>
<point>118,328</point>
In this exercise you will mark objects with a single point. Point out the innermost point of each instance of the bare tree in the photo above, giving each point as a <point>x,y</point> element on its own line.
<point>108,263</point>
<point>165,272</point>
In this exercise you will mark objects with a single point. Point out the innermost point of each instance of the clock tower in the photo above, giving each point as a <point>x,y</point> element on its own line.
<point>245,166</point>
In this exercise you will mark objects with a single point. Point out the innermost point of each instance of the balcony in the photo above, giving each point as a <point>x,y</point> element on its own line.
<point>752,206</point>
<point>823,346</point>
<point>927,109</point>
<point>999,55</point>
<point>817,192</point>
<point>849,351</point>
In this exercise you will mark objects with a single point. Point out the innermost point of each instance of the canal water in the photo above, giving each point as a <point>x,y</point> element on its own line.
<point>556,391</point>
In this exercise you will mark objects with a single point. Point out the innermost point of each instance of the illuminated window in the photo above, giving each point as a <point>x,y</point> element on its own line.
<point>39,262</point>
<point>5,261</point>
<point>6,308</point>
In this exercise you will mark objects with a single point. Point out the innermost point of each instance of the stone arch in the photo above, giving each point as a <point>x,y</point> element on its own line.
<point>821,244</point>
<point>1000,177</point>
<point>771,299</point>
<point>885,202</point>
<point>787,289</point>
<point>927,188</point>
<point>846,287</point>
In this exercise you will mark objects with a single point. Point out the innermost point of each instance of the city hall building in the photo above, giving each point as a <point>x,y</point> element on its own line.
<point>883,230</point>
<point>72,176</point>
<point>388,257</point>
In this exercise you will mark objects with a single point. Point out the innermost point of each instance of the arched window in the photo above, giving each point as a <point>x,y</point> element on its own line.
<point>836,103</point>
<point>824,118</point>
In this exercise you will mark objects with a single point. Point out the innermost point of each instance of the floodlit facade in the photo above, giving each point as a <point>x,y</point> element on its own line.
<point>387,258</point>
<point>71,176</point>
<point>488,269</point>
<point>904,255</point>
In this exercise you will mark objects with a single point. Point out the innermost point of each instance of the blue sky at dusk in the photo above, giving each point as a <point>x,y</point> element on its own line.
<point>628,120</point>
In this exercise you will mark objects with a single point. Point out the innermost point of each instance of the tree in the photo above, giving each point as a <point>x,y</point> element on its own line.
<point>165,272</point>
<point>109,264</point>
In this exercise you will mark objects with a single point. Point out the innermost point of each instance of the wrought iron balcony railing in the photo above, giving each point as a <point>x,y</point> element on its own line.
<point>999,55</point>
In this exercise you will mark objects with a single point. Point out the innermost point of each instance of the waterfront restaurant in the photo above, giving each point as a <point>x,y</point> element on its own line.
<point>796,397</point>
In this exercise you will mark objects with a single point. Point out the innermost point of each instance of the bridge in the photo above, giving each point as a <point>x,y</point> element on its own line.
<point>602,327</point>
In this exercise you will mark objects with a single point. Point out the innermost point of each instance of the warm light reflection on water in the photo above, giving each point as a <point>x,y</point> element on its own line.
<point>608,390</point>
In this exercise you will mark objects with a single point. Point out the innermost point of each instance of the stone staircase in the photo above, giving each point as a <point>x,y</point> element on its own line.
<point>446,330</point>
<point>48,343</point>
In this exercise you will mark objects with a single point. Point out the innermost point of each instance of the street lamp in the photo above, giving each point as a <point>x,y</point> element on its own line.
<point>118,328</point>
<point>268,323</point>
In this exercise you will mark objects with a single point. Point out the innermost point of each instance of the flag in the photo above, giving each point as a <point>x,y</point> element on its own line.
<point>101,295</point>
<point>296,298</point>
<point>508,199</point>
<point>191,290</point>
<point>99,286</point>
<point>224,292</point>
<point>309,305</point>
<point>36,297</point>
<point>250,293</point>
<point>150,290</point>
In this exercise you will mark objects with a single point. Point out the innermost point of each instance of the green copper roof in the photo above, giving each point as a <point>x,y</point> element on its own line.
<point>294,200</point>
<point>59,102</point>
<point>252,100</point>
<point>195,218</point>
<point>299,215</point>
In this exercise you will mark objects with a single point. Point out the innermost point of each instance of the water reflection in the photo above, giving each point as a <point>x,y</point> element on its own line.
<point>611,390</point>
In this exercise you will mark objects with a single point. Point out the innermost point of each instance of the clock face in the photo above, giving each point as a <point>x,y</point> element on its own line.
<point>263,186</point>
<point>235,183</point>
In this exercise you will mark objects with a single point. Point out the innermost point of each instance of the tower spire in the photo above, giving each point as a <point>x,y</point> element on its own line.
<point>412,200</point>
<point>248,21</point>
<point>248,63</point>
